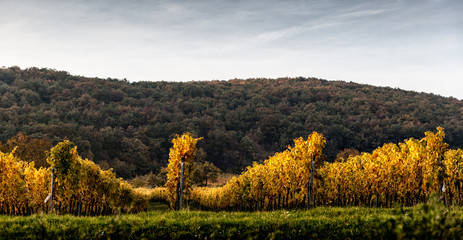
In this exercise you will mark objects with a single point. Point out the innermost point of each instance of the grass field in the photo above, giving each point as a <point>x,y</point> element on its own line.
<point>428,221</point>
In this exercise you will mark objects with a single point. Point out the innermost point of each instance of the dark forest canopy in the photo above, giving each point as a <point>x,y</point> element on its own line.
<point>129,126</point>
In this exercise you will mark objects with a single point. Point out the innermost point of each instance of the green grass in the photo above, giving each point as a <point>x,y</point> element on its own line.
<point>429,221</point>
<point>158,206</point>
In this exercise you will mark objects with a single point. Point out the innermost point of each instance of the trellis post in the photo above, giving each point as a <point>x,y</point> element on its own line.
<point>50,196</point>
<point>181,186</point>
<point>310,183</point>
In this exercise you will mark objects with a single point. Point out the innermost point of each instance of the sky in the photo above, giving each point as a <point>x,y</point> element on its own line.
<point>408,44</point>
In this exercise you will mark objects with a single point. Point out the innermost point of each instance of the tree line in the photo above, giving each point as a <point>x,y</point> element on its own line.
<point>128,126</point>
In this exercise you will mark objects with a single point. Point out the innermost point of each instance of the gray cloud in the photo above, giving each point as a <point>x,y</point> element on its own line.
<point>407,44</point>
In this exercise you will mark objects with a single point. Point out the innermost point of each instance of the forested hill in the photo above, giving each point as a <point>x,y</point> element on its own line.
<point>129,126</point>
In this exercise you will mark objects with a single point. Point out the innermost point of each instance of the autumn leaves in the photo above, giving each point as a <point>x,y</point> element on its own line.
<point>407,173</point>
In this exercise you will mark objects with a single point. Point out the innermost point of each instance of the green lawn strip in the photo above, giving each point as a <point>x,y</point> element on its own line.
<point>318,223</point>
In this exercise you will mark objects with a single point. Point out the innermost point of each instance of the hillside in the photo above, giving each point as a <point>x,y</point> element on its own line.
<point>129,126</point>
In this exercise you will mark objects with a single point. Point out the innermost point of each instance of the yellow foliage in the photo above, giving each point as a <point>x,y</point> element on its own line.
<point>261,184</point>
<point>183,149</point>
<point>80,185</point>
<point>407,172</point>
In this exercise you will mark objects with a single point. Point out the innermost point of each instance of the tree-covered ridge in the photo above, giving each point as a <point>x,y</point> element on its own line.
<point>129,126</point>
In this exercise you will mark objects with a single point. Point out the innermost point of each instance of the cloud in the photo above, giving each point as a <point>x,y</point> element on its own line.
<point>381,42</point>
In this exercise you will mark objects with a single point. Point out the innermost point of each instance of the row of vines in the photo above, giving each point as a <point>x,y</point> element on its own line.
<point>80,186</point>
<point>407,173</point>
<point>281,181</point>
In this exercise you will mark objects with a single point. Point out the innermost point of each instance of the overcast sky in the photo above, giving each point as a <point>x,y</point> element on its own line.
<point>413,45</point>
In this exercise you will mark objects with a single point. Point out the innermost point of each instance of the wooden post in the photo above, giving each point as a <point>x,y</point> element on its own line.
<point>442,192</point>
<point>310,183</point>
<point>181,187</point>
<point>49,198</point>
